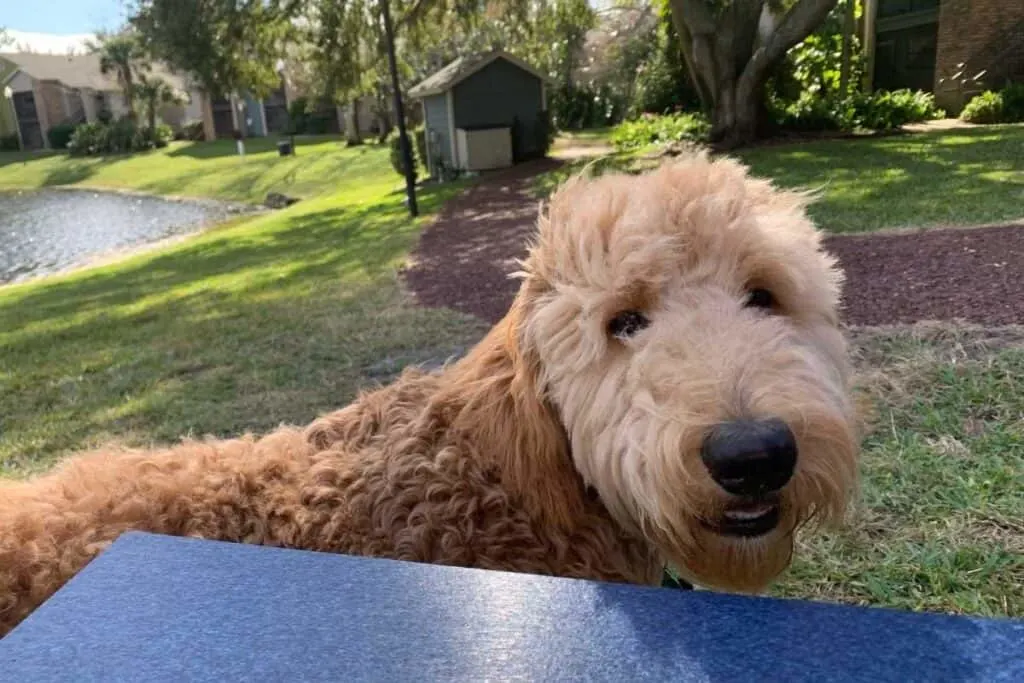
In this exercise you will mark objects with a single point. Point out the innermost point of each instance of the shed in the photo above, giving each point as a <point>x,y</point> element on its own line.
<point>483,112</point>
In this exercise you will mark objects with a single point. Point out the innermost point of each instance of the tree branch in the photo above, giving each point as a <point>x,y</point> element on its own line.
<point>697,14</point>
<point>800,20</point>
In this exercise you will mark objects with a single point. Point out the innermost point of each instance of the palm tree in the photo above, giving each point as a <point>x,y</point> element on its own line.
<point>122,55</point>
<point>153,91</point>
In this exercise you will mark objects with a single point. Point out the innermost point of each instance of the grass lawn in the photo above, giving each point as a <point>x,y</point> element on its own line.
<point>940,522</point>
<point>954,177</point>
<point>279,317</point>
<point>266,320</point>
<point>206,170</point>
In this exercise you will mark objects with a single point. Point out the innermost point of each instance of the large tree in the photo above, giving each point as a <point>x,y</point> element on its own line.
<point>226,45</point>
<point>731,46</point>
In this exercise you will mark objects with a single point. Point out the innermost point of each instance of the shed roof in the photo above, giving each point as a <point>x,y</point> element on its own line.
<point>78,71</point>
<point>464,67</point>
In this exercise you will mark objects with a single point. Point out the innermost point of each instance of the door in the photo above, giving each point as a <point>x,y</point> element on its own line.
<point>28,120</point>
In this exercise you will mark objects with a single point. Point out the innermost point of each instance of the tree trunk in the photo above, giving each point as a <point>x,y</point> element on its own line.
<point>730,58</point>
<point>353,136</point>
<point>152,116</point>
<point>129,92</point>
<point>849,26</point>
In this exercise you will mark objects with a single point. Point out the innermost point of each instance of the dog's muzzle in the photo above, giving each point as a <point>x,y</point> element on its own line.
<point>751,460</point>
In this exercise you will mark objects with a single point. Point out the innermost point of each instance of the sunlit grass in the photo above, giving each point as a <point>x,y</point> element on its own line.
<point>267,320</point>
<point>208,169</point>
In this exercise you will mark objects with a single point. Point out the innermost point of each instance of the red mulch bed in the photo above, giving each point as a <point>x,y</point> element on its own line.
<point>976,275</point>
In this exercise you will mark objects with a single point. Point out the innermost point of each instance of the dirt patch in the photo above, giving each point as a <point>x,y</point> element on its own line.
<point>465,257</point>
<point>464,260</point>
<point>938,274</point>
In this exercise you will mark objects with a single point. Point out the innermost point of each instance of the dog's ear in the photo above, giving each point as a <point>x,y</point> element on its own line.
<point>503,412</point>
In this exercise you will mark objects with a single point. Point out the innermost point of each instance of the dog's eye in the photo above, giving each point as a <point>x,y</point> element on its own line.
<point>760,298</point>
<point>627,323</point>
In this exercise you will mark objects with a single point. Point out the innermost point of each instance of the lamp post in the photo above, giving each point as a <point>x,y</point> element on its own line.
<point>403,136</point>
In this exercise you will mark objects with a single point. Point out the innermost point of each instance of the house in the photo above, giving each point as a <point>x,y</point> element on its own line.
<point>482,112</point>
<point>46,90</point>
<point>953,48</point>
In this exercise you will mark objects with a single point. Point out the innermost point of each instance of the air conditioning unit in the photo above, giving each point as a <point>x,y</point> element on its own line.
<point>483,149</point>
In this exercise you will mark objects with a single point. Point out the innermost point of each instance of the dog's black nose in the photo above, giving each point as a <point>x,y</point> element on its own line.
<point>750,457</point>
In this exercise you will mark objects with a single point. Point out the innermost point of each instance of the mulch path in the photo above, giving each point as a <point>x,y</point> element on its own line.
<point>974,275</point>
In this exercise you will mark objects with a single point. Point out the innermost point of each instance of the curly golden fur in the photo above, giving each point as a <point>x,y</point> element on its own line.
<point>553,447</point>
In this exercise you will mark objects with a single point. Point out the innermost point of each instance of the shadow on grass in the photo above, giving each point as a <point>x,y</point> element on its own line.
<point>71,172</point>
<point>11,158</point>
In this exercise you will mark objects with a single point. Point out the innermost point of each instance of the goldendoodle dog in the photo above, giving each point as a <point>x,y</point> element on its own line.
<point>670,385</point>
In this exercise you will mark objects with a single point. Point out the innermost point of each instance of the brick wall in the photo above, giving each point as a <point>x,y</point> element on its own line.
<point>977,36</point>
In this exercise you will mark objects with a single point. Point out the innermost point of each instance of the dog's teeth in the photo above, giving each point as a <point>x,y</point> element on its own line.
<point>748,513</point>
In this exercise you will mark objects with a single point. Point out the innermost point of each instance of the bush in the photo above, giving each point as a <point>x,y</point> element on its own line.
<point>1013,102</point>
<point>88,138</point>
<point>652,129</point>
<point>812,113</point>
<point>984,108</point>
<point>9,143</point>
<point>578,107</point>
<point>396,156</point>
<point>193,131</point>
<point>889,110</point>
<point>420,137</point>
<point>880,110</point>
<point>1004,106</point>
<point>114,138</point>
<point>60,135</point>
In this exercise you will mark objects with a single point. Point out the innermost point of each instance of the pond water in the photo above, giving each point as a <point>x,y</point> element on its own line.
<point>47,231</point>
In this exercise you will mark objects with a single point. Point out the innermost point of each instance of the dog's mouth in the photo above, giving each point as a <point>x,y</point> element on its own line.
<point>748,518</point>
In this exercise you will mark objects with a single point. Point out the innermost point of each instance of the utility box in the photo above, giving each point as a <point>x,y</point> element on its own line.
<point>484,149</point>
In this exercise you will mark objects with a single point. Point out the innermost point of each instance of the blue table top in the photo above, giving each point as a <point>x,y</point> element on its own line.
<point>157,608</point>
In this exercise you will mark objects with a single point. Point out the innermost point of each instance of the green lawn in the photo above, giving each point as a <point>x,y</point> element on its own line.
<point>267,320</point>
<point>278,317</point>
<point>957,177</point>
<point>208,169</point>
<point>940,523</point>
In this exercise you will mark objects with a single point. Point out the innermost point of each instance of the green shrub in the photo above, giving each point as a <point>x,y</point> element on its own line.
<point>578,106</point>
<point>1013,102</point>
<point>117,137</point>
<point>9,143</point>
<point>60,135</point>
<point>420,138</point>
<point>884,110</point>
<point>88,139</point>
<point>193,131</point>
<point>121,136</point>
<point>984,108</point>
<point>812,113</point>
<point>881,110</point>
<point>653,129</point>
<point>396,155</point>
